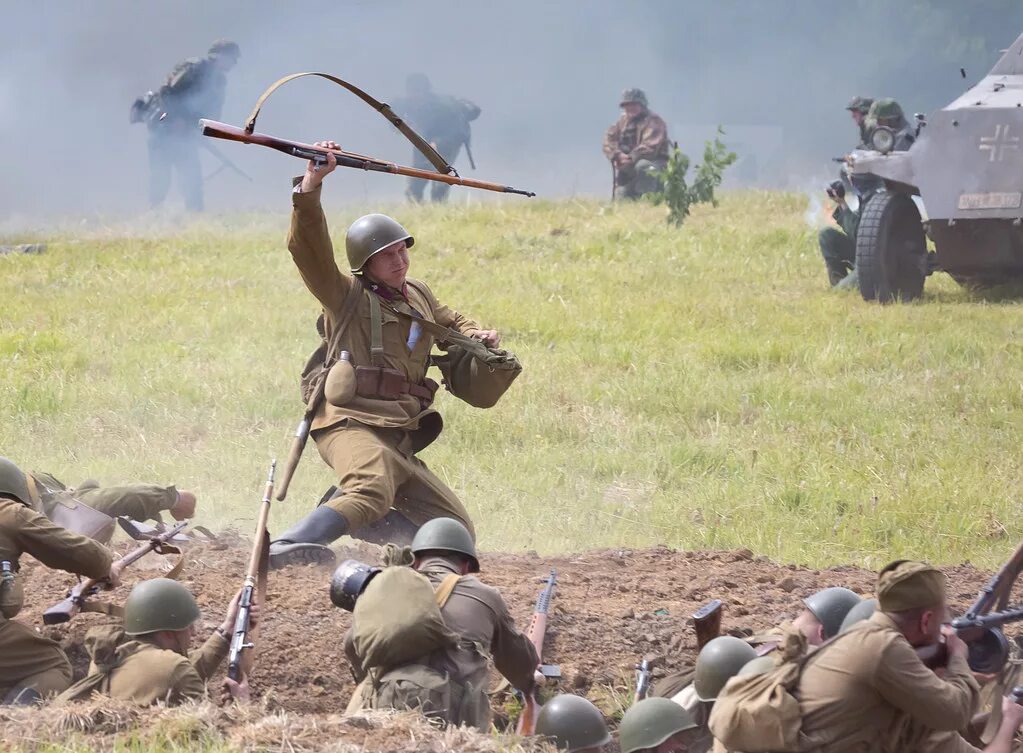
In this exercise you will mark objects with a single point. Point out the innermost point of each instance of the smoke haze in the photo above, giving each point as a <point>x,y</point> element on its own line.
<point>776,74</point>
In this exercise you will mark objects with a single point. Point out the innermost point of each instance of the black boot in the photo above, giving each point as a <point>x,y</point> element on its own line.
<point>304,542</point>
<point>393,528</point>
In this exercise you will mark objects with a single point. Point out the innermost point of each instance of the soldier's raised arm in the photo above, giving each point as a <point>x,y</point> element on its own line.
<point>309,239</point>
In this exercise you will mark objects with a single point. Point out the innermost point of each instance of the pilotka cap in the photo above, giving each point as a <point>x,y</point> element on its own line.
<point>905,584</point>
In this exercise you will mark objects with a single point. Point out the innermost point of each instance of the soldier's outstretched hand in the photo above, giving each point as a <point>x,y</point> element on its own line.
<point>314,174</point>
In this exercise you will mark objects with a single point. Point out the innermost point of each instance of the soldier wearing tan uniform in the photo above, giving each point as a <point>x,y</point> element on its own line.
<point>477,614</point>
<point>370,434</point>
<point>870,691</point>
<point>154,665</point>
<point>637,146</point>
<point>135,501</point>
<point>31,666</point>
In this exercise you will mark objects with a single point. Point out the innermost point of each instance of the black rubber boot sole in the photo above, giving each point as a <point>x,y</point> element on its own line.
<point>285,554</point>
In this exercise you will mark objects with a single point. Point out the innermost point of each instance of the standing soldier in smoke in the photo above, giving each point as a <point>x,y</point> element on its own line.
<point>376,414</point>
<point>194,89</point>
<point>637,145</point>
<point>443,121</point>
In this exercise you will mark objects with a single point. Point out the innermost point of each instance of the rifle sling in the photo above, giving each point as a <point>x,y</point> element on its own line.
<point>418,141</point>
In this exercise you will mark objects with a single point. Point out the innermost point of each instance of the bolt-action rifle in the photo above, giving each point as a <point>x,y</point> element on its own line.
<point>707,622</point>
<point>78,596</point>
<point>243,636</point>
<point>536,633</point>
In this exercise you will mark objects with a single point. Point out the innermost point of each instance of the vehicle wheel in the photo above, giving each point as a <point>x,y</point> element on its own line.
<point>891,249</point>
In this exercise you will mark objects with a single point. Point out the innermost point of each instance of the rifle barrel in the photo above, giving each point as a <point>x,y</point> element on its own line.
<point>352,160</point>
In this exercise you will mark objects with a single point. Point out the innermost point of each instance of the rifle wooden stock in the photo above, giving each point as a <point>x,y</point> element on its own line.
<point>239,661</point>
<point>537,631</point>
<point>707,622</point>
<point>298,443</point>
<point>72,605</point>
<point>352,160</point>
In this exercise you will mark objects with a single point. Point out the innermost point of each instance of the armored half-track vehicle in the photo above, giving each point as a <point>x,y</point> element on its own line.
<point>967,167</point>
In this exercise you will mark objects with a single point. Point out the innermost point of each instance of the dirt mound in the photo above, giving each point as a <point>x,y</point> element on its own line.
<point>611,608</point>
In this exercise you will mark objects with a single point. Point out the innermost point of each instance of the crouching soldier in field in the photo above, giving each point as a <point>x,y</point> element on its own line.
<point>422,637</point>
<point>73,507</point>
<point>375,414</point>
<point>33,667</point>
<point>637,145</point>
<point>149,662</point>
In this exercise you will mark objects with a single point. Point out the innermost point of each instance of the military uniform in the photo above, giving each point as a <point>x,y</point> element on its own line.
<point>838,247</point>
<point>644,139</point>
<point>135,501</point>
<point>144,673</point>
<point>371,442</point>
<point>478,615</point>
<point>444,122</point>
<point>27,659</point>
<point>194,89</point>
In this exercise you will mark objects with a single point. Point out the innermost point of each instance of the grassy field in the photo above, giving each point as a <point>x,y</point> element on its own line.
<point>697,387</point>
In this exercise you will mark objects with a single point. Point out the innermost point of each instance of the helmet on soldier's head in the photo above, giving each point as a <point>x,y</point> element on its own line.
<point>650,722</point>
<point>860,104</point>
<point>371,234</point>
<point>830,607</point>
<point>719,661</point>
<point>886,112</point>
<point>859,613</point>
<point>14,483</point>
<point>446,535</point>
<point>634,95</point>
<point>225,47</point>
<point>159,604</point>
<point>573,722</point>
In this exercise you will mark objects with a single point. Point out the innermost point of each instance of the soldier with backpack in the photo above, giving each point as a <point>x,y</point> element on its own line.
<point>194,89</point>
<point>423,637</point>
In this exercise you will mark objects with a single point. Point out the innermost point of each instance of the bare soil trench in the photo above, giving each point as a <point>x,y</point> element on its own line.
<point>611,608</point>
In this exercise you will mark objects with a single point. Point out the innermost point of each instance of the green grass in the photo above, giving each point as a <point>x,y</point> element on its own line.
<point>697,387</point>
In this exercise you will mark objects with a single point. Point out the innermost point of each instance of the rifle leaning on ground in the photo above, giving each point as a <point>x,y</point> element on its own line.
<point>76,600</point>
<point>707,622</point>
<point>536,633</point>
<point>243,636</point>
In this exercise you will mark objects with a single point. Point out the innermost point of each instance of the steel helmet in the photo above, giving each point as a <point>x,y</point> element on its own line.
<point>573,722</point>
<point>860,104</point>
<point>650,722</point>
<point>718,662</point>
<point>859,613</point>
<point>159,604</point>
<point>14,483</point>
<point>634,95</point>
<point>448,535</point>
<point>830,607</point>
<point>371,234</point>
<point>884,110</point>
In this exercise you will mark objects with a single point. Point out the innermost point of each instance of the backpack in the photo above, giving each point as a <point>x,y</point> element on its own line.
<point>397,619</point>
<point>760,713</point>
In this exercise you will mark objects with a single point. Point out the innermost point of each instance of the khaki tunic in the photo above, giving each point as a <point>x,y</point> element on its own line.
<point>147,674</point>
<point>27,659</point>
<point>371,443</point>
<point>870,692</point>
<point>477,613</point>
<point>645,137</point>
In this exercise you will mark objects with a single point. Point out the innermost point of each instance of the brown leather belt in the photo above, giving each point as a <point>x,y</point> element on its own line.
<point>379,383</point>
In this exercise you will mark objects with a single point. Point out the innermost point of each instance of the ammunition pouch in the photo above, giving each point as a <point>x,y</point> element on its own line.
<point>381,383</point>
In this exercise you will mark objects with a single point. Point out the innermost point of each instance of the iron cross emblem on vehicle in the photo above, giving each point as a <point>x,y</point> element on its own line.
<point>997,144</point>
